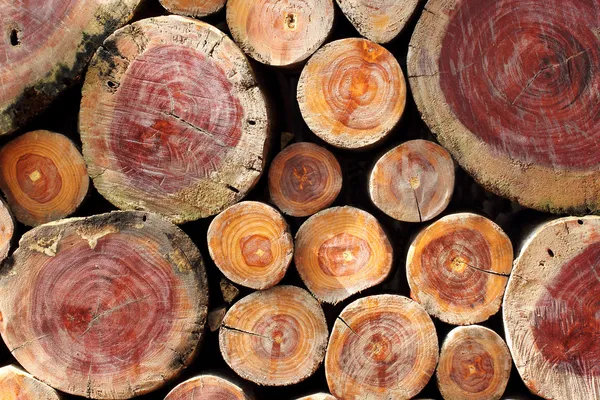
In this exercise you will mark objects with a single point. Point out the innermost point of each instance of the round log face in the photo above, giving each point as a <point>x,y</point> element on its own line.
<point>194,8</point>
<point>44,48</point>
<point>109,306</point>
<point>551,310</point>
<point>276,337</point>
<point>515,100</point>
<point>458,267</point>
<point>206,387</point>
<point>16,384</point>
<point>381,347</point>
<point>318,396</point>
<point>43,176</point>
<point>304,178</point>
<point>474,364</point>
<point>413,182</point>
<point>251,244</point>
<point>352,93</point>
<point>280,33</point>
<point>172,120</point>
<point>342,251</point>
<point>7,229</point>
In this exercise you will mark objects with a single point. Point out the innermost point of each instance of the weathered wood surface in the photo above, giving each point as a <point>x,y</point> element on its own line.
<point>207,387</point>
<point>318,396</point>
<point>43,177</point>
<point>172,120</point>
<point>381,347</point>
<point>16,384</point>
<point>551,310</point>
<point>194,8</point>
<point>510,88</point>
<point>110,306</point>
<point>7,230</point>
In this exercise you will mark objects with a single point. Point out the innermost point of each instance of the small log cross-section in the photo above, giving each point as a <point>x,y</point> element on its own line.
<point>352,93</point>
<point>115,303</point>
<point>413,182</point>
<point>45,46</point>
<point>276,337</point>
<point>207,387</point>
<point>474,364</point>
<point>251,244</point>
<point>342,251</point>
<point>381,347</point>
<point>458,267</point>
<point>43,177</point>
<point>318,396</point>
<point>303,179</point>
<point>510,88</point>
<point>16,384</point>
<point>7,229</point>
<point>194,8</point>
<point>280,33</point>
<point>552,310</point>
<point>172,120</point>
<point>379,20</point>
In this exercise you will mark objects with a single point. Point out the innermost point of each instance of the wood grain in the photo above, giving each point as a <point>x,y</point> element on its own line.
<point>194,8</point>
<point>207,387</point>
<point>16,384</point>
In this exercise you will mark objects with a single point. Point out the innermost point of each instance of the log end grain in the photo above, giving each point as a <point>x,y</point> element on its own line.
<point>7,229</point>
<point>194,8</point>
<point>16,384</point>
<point>207,387</point>
<point>318,396</point>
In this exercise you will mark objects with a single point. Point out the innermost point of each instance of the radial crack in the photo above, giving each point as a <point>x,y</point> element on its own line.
<point>246,332</point>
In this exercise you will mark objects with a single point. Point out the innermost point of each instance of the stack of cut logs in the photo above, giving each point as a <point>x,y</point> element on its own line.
<point>364,191</point>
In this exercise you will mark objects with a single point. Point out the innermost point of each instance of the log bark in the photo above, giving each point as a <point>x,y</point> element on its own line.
<point>194,8</point>
<point>514,100</point>
<point>381,20</point>
<point>318,396</point>
<point>228,290</point>
<point>116,303</point>
<point>215,318</point>
<point>172,120</point>
<point>251,244</point>
<point>7,230</point>
<point>352,93</point>
<point>551,310</point>
<point>413,182</point>
<point>474,364</point>
<point>342,251</point>
<point>16,384</point>
<point>43,177</point>
<point>207,387</point>
<point>458,267</point>
<point>276,337</point>
<point>280,33</point>
<point>304,179</point>
<point>381,347</point>
<point>46,46</point>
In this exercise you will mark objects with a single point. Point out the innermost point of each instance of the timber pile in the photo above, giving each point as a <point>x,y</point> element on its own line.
<point>336,240</point>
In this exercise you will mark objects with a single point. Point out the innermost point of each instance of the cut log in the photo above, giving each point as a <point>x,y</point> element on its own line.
<point>381,20</point>
<point>381,347</point>
<point>515,99</point>
<point>276,337</point>
<point>474,364</point>
<point>280,33</point>
<point>194,8</point>
<point>45,47</point>
<point>318,396</point>
<point>7,229</point>
<point>172,120</point>
<point>115,303</point>
<point>342,251</point>
<point>228,290</point>
<point>43,177</point>
<point>251,244</point>
<point>303,179</point>
<point>552,310</point>
<point>458,267</point>
<point>352,93</point>
<point>413,182</point>
<point>16,384</point>
<point>207,387</point>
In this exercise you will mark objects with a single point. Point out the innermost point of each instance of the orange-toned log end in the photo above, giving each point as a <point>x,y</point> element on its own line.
<point>207,387</point>
<point>172,120</point>
<point>7,229</point>
<point>474,364</point>
<point>43,177</point>
<point>275,337</point>
<point>352,93</point>
<point>458,267</point>
<point>318,396</point>
<point>381,347</point>
<point>194,8</point>
<point>304,178</point>
<point>413,182</point>
<point>16,384</point>
<point>280,33</point>
<point>251,244</point>
<point>551,310</point>
<point>342,251</point>
<point>116,304</point>
<point>381,20</point>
